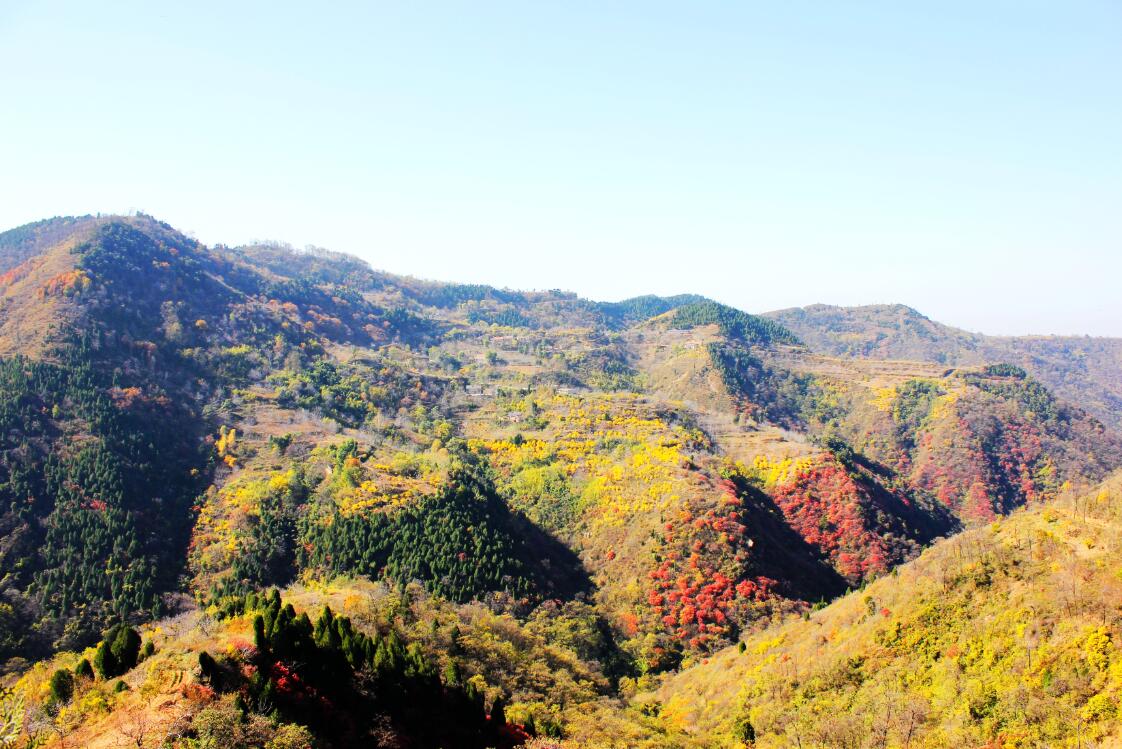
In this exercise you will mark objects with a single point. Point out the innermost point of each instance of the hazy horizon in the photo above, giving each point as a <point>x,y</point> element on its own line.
<point>963,162</point>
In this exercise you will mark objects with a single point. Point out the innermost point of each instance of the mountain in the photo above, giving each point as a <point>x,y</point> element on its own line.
<point>265,490</point>
<point>1005,635</point>
<point>1080,369</point>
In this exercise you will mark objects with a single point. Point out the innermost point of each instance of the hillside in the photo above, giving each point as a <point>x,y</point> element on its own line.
<point>531,505</point>
<point>1080,369</point>
<point>1006,635</point>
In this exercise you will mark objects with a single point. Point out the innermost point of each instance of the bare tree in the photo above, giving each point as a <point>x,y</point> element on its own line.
<point>135,729</point>
<point>39,725</point>
<point>913,714</point>
<point>178,726</point>
<point>880,727</point>
<point>206,624</point>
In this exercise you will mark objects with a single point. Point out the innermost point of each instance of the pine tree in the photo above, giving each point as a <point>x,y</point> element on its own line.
<point>104,663</point>
<point>260,641</point>
<point>61,686</point>
<point>498,713</point>
<point>84,669</point>
<point>125,648</point>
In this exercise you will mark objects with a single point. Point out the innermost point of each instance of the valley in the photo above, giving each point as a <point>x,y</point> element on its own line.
<point>324,504</point>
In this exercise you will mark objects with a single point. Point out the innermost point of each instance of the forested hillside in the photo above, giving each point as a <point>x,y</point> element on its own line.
<point>1006,635</point>
<point>256,496</point>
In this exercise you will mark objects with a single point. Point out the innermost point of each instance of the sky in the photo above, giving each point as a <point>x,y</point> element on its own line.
<point>964,158</point>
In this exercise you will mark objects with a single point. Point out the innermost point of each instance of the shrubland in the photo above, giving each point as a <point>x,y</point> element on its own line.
<point>261,497</point>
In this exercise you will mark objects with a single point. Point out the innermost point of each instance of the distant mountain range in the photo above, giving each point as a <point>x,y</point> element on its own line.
<point>1082,369</point>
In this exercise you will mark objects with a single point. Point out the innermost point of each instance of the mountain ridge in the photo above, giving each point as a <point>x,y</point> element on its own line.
<point>1081,368</point>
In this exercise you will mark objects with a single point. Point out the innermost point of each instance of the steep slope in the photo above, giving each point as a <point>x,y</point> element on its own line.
<point>692,446</point>
<point>724,426</point>
<point>258,672</point>
<point>1006,635</point>
<point>39,281</point>
<point>104,450</point>
<point>24,242</point>
<point>980,440</point>
<point>1082,370</point>
<point>644,481</point>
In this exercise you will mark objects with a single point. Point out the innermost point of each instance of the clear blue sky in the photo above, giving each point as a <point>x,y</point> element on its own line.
<point>961,157</point>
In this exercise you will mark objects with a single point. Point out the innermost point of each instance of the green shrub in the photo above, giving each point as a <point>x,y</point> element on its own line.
<point>291,736</point>
<point>61,686</point>
<point>84,669</point>
<point>125,648</point>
